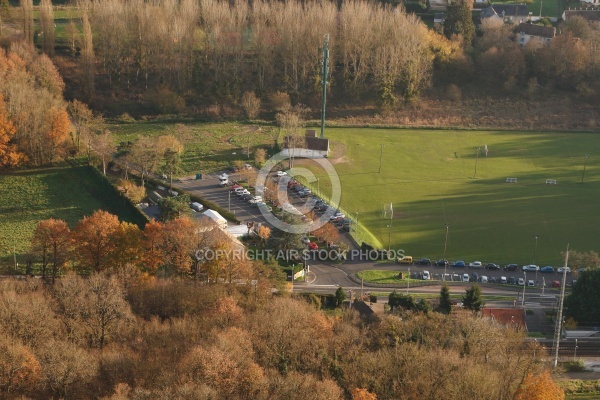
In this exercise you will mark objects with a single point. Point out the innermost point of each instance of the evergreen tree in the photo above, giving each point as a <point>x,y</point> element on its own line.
<point>472,298</point>
<point>340,296</point>
<point>445,306</point>
<point>459,21</point>
<point>583,304</point>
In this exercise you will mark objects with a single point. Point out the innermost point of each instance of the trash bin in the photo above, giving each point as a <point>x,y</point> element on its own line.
<point>198,176</point>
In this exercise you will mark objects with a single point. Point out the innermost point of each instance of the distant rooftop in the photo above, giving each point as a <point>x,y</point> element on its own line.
<point>537,30</point>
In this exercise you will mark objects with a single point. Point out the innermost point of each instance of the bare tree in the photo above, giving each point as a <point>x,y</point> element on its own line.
<point>47,26</point>
<point>27,18</point>
<point>88,61</point>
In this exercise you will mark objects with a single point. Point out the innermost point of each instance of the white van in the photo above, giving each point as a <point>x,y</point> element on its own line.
<point>224,180</point>
<point>484,279</point>
<point>503,280</point>
<point>426,276</point>
<point>197,206</point>
<point>465,278</point>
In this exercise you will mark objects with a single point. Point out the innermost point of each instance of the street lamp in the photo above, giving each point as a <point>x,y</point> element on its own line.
<point>408,282</point>
<point>381,157</point>
<point>445,246</point>
<point>584,165</point>
<point>524,286</point>
<point>389,236</point>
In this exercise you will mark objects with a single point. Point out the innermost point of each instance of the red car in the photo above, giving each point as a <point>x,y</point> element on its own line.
<point>235,187</point>
<point>313,246</point>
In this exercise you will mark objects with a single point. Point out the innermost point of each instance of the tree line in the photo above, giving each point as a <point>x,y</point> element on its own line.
<point>126,335</point>
<point>209,51</point>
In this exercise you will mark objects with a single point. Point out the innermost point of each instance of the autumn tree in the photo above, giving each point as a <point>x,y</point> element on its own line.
<point>128,250</point>
<point>260,156</point>
<point>264,232</point>
<point>146,155</point>
<point>52,243</point>
<point>19,368</point>
<point>133,192</point>
<point>10,156</point>
<point>328,233</point>
<point>94,240</point>
<point>27,18</point>
<point>47,26</point>
<point>539,387</point>
<point>177,244</point>
<point>86,124</point>
<point>88,61</point>
<point>363,394</point>
<point>151,245</point>
<point>250,105</point>
<point>170,149</point>
<point>103,147</point>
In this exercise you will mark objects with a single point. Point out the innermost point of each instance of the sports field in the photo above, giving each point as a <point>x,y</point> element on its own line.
<point>429,177</point>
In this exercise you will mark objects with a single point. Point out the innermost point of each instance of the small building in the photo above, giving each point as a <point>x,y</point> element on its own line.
<point>216,217</point>
<point>537,33</point>
<point>509,13</point>
<point>309,146</point>
<point>587,14</point>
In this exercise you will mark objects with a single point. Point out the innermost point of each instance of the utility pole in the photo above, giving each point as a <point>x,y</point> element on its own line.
<point>324,83</point>
<point>476,159</point>
<point>389,235</point>
<point>584,165</point>
<point>559,317</point>
<point>408,282</point>
<point>524,286</point>
<point>445,246</point>
<point>380,157</point>
<point>535,249</point>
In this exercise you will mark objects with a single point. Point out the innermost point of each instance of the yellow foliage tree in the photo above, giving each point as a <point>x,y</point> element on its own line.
<point>9,155</point>
<point>539,387</point>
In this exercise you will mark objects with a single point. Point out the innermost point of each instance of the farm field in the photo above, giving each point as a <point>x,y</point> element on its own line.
<point>34,195</point>
<point>429,177</point>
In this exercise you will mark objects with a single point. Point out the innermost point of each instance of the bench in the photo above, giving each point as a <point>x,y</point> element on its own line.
<point>550,181</point>
<point>511,180</point>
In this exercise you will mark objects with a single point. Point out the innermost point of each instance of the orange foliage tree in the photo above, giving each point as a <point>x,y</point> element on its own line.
<point>9,154</point>
<point>128,249</point>
<point>151,240</point>
<point>52,242</point>
<point>539,387</point>
<point>94,238</point>
<point>363,394</point>
<point>58,133</point>
<point>177,243</point>
<point>19,369</point>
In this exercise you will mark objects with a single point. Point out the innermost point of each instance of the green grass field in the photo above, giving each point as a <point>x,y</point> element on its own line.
<point>34,195</point>
<point>428,176</point>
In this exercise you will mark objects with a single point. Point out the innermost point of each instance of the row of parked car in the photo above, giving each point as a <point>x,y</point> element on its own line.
<point>479,264</point>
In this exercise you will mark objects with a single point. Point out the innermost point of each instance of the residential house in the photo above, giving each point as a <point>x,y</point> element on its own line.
<point>539,34</point>
<point>509,13</point>
<point>588,14</point>
<point>311,146</point>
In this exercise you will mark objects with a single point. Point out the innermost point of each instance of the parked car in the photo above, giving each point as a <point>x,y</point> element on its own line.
<point>426,275</point>
<point>475,264</point>
<point>405,259</point>
<point>547,269</point>
<point>530,267</point>
<point>493,279</point>
<point>305,240</point>
<point>197,206</point>
<point>441,263</point>
<point>563,269</point>
<point>483,279</point>
<point>521,282</point>
<point>555,284</point>
<point>530,282</point>
<point>256,199</point>
<point>458,264</point>
<point>492,266</point>
<point>503,280</point>
<point>337,216</point>
<point>234,187</point>
<point>511,267</point>
<point>474,277</point>
<point>465,278</point>
<point>512,280</point>
<point>424,261</point>
<point>313,246</point>
<point>281,173</point>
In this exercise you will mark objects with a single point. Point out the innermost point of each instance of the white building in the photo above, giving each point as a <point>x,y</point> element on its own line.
<point>218,218</point>
<point>539,34</point>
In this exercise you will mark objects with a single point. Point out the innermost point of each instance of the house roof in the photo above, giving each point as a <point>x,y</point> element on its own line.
<point>311,143</point>
<point>590,15</point>
<point>505,10</point>
<point>506,316</point>
<point>310,133</point>
<point>215,216</point>
<point>537,30</point>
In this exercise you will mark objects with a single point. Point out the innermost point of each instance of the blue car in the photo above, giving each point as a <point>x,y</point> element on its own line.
<point>547,269</point>
<point>458,264</point>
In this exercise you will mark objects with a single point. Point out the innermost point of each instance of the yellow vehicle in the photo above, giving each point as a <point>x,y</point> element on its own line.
<point>405,260</point>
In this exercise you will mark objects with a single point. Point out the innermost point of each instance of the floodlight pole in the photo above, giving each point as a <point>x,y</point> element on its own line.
<point>558,330</point>
<point>535,249</point>
<point>380,157</point>
<point>445,246</point>
<point>584,165</point>
<point>324,83</point>
<point>476,159</point>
